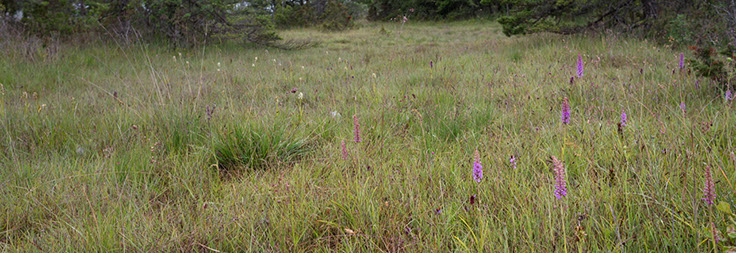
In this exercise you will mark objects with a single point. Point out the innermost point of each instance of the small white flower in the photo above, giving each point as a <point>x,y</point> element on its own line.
<point>174,57</point>
<point>300,96</point>
<point>253,64</point>
<point>374,75</point>
<point>302,67</point>
<point>218,64</point>
<point>335,114</point>
<point>256,58</point>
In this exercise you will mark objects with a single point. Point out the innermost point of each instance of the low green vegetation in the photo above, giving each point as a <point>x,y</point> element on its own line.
<point>230,148</point>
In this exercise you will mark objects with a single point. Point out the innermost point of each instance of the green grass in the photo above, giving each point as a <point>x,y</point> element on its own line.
<point>118,149</point>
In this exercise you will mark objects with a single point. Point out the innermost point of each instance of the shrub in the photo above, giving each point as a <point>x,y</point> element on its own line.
<point>336,17</point>
<point>718,66</point>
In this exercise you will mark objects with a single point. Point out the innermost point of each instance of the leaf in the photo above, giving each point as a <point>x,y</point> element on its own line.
<point>731,232</point>
<point>724,207</point>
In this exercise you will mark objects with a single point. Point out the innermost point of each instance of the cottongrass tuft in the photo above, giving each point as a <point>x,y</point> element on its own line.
<point>560,184</point>
<point>477,167</point>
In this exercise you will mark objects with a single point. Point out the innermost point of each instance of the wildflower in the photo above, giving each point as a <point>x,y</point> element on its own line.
<point>344,150</point>
<point>565,111</point>
<point>729,95</point>
<point>709,189</point>
<point>682,61</point>
<point>335,114</point>
<point>356,129</point>
<point>624,119</point>
<point>715,233</point>
<point>431,64</point>
<point>682,107</point>
<point>300,96</point>
<point>374,75</point>
<point>560,185</point>
<point>580,66</point>
<point>512,160</point>
<point>477,167</point>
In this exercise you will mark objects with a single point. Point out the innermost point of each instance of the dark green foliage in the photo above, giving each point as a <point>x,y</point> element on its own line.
<point>184,22</point>
<point>431,9</point>
<point>333,15</point>
<point>719,67</point>
<point>336,17</point>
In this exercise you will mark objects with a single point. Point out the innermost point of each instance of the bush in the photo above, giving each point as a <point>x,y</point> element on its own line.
<point>336,17</point>
<point>718,66</point>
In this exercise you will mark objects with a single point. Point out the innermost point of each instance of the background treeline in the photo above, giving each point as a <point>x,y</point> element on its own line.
<point>707,26</point>
<point>682,21</point>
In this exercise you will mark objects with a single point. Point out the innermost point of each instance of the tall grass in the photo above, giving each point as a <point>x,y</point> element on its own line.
<point>149,148</point>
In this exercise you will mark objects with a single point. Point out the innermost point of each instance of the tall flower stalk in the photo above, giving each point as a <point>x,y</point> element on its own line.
<point>356,129</point>
<point>565,111</point>
<point>624,119</point>
<point>682,61</point>
<point>709,189</point>
<point>580,65</point>
<point>344,150</point>
<point>477,167</point>
<point>560,184</point>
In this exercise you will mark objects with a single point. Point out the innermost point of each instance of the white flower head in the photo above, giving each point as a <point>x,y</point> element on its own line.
<point>300,96</point>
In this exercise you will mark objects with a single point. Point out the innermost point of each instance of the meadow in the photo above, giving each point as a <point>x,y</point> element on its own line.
<point>226,148</point>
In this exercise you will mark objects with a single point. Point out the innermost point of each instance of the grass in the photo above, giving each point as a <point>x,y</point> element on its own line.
<point>123,149</point>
